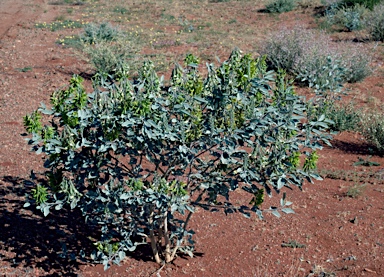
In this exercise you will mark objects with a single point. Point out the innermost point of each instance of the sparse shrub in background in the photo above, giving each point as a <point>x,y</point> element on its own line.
<point>356,190</point>
<point>356,15</point>
<point>357,61</point>
<point>137,158</point>
<point>328,3</point>
<point>108,49</point>
<point>344,117</point>
<point>372,128</point>
<point>284,48</point>
<point>103,32</point>
<point>314,60</point>
<point>110,58</point>
<point>324,73</point>
<point>370,4</point>
<point>350,18</point>
<point>280,6</point>
<point>375,23</point>
<point>305,4</point>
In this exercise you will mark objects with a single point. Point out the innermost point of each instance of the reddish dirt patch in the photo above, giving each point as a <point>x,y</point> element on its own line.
<point>339,234</point>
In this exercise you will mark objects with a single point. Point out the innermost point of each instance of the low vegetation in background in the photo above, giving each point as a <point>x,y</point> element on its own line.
<point>109,58</point>
<point>137,158</point>
<point>370,4</point>
<point>375,23</point>
<point>356,190</point>
<point>372,128</point>
<point>96,33</point>
<point>345,117</point>
<point>68,2</point>
<point>61,24</point>
<point>106,48</point>
<point>311,57</point>
<point>280,6</point>
<point>349,18</point>
<point>356,15</point>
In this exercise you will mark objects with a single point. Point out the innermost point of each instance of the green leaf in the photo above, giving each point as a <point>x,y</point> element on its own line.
<point>276,213</point>
<point>121,255</point>
<point>124,196</point>
<point>46,210</point>
<point>288,210</point>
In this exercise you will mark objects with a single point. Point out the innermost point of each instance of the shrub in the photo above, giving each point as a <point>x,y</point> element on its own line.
<point>110,58</point>
<point>350,3</point>
<point>356,190</point>
<point>103,32</point>
<point>375,23</point>
<point>372,128</point>
<point>344,117</point>
<point>306,55</point>
<point>357,61</point>
<point>350,18</point>
<point>108,50</point>
<point>280,6</point>
<point>137,158</point>
<point>370,4</point>
<point>314,60</point>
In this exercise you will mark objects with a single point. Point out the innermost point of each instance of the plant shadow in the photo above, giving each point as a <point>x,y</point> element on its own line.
<point>52,244</point>
<point>355,148</point>
<point>28,239</point>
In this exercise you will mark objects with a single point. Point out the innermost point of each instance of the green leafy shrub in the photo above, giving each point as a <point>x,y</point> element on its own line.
<point>137,158</point>
<point>375,23</point>
<point>280,6</point>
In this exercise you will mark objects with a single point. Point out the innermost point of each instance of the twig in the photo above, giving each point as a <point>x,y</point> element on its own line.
<point>158,271</point>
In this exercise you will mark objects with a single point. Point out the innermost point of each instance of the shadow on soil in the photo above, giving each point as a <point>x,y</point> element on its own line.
<point>355,148</point>
<point>29,240</point>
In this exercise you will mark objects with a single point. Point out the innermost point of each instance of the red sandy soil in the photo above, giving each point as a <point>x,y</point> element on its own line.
<point>340,235</point>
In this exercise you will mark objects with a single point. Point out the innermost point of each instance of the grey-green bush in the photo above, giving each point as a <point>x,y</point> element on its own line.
<point>314,59</point>
<point>137,157</point>
<point>372,128</point>
<point>110,58</point>
<point>345,117</point>
<point>375,23</point>
<point>95,33</point>
<point>280,6</point>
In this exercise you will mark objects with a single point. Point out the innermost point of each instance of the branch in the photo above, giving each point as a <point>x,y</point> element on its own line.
<point>153,239</point>
<point>168,257</point>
